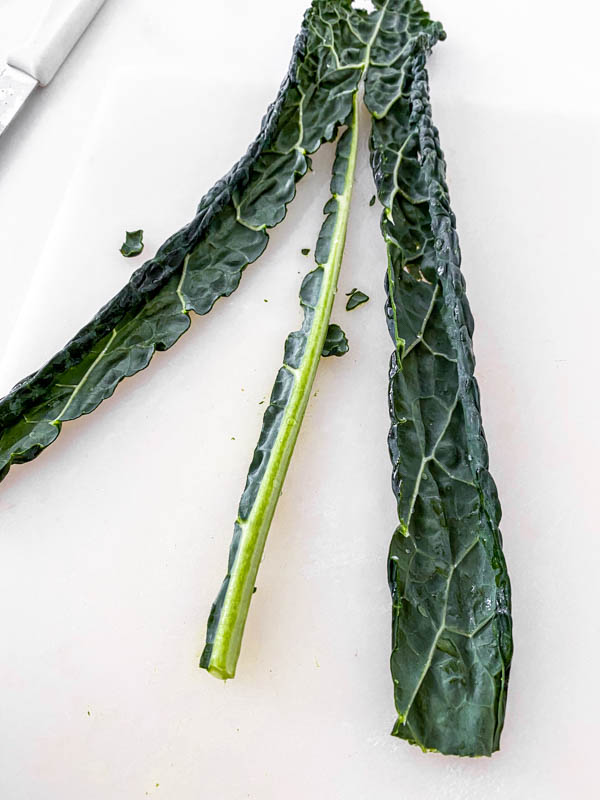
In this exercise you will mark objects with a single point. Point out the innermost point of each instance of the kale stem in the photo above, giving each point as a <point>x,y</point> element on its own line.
<point>282,421</point>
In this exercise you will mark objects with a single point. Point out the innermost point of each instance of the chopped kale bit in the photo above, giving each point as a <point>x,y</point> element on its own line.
<point>133,244</point>
<point>356,298</point>
<point>336,343</point>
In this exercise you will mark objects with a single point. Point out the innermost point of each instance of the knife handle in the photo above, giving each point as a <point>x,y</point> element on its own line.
<point>57,34</point>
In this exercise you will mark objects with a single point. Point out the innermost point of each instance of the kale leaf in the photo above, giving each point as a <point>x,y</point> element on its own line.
<point>204,260</point>
<point>336,342</point>
<point>452,642</point>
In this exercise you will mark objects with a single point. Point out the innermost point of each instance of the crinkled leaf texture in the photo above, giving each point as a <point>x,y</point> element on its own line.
<point>452,638</point>
<point>204,260</point>
<point>336,342</point>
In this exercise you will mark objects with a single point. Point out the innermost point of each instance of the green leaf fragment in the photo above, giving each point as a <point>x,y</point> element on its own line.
<point>305,251</point>
<point>336,343</point>
<point>133,244</point>
<point>372,200</point>
<point>203,261</point>
<point>356,298</point>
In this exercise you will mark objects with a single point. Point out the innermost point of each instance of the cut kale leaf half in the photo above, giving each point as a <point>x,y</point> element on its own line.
<point>133,244</point>
<point>452,637</point>
<point>204,260</point>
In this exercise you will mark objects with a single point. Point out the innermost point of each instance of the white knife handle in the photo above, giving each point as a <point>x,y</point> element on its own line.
<point>57,34</point>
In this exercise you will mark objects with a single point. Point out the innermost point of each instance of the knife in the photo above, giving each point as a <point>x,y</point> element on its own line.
<point>37,61</point>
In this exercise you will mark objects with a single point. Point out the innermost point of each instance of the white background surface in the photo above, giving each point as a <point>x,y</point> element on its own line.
<point>114,541</point>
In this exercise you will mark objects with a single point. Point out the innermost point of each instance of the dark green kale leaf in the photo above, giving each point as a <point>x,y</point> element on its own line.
<point>204,260</point>
<point>451,630</point>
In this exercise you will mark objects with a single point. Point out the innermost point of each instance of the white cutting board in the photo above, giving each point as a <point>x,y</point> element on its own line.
<point>115,540</point>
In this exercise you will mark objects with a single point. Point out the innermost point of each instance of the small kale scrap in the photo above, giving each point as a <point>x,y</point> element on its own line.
<point>451,600</point>
<point>355,299</point>
<point>133,244</point>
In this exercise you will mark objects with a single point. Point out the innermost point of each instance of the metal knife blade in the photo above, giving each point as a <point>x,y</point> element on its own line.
<point>37,61</point>
<point>15,88</point>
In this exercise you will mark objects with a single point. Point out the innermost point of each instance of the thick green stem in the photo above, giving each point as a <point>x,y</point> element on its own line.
<point>282,422</point>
